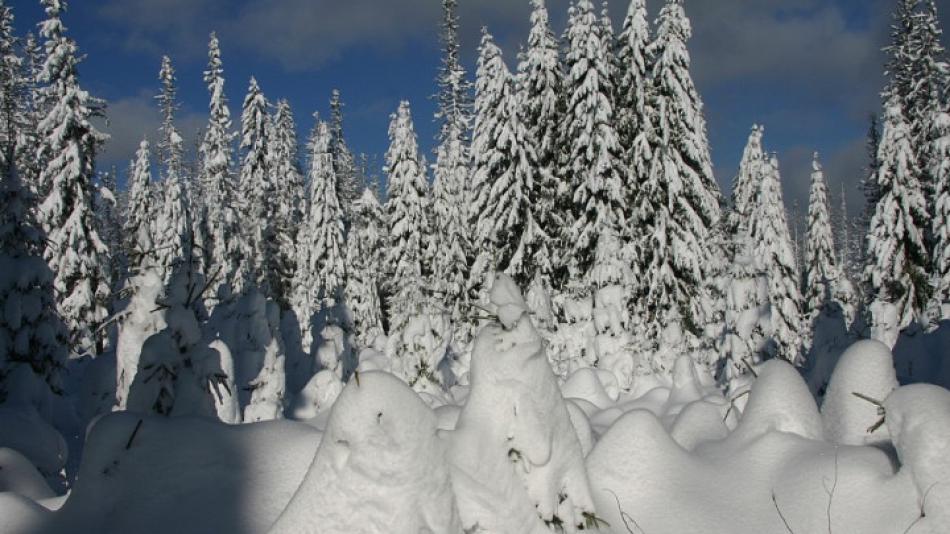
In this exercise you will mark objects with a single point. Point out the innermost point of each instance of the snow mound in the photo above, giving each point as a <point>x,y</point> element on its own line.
<point>318,395</point>
<point>154,475</point>
<point>24,430</point>
<point>18,475</point>
<point>380,467</point>
<point>918,419</point>
<point>779,401</point>
<point>517,461</point>
<point>866,368</point>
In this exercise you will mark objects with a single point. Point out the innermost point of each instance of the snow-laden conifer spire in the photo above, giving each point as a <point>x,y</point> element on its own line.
<point>289,183</point>
<point>941,209</point>
<point>216,156</point>
<point>68,145</point>
<point>822,271</point>
<point>896,277</point>
<point>594,153</point>
<point>775,254</point>
<point>364,264</point>
<point>407,213</point>
<point>540,111</point>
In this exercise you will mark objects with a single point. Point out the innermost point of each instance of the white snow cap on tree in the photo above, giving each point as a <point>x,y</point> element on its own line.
<point>139,242</point>
<point>898,286</point>
<point>364,266</point>
<point>289,183</point>
<point>517,459</point>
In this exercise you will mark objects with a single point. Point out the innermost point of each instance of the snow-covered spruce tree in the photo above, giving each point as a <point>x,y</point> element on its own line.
<point>540,108</point>
<point>941,210</point>
<point>364,265</point>
<point>515,455</point>
<point>896,278</point>
<point>633,84</point>
<point>745,187</point>
<point>258,192</point>
<point>599,203</point>
<point>350,182</point>
<point>321,269</point>
<point>289,182</point>
<point>137,230</point>
<point>108,222</point>
<point>33,339</point>
<point>172,224</point>
<point>30,69</point>
<point>450,246</point>
<point>415,350</point>
<point>69,142</point>
<point>225,238</point>
<point>826,285</point>
<point>775,255</point>
<point>679,202</point>
<point>10,86</point>
<point>917,71</point>
<point>506,234</point>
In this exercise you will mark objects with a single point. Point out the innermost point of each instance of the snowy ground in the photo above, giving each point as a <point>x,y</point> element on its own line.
<point>518,451</point>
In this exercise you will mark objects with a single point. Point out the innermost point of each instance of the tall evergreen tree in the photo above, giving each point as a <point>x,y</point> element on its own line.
<point>775,254</point>
<point>364,263</point>
<point>896,277</point>
<point>825,281</point>
<point>10,85</point>
<point>540,111</point>
<point>172,226</point>
<point>31,66</point>
<point>941,213</point>
<point>33,339</point>
<point>69,143</point>
<point>290,193</point>
<point>593,148</point>
<point>258,207</point>
<point>225,238</point>
<point>450,246</point>
<point>139,242</point>
<point>349,180</point>
<point>407,215</point>
<point>506,234</point>
<point>746,186</point>
<point>679,207</point>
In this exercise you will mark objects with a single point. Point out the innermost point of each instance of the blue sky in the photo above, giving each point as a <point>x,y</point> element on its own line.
<point>809,70</point>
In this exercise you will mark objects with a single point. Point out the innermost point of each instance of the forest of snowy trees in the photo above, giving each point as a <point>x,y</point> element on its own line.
<point>256,280</point>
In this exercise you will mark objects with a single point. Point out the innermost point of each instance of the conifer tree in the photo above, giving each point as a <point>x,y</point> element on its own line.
<point>349,180</point>
<point>593,148</point>
<point>941,213</point>
<point>33,339</point>
<point>896,277</point>
<point>679,207</point>
<point>290,194</point>
<point>108,223</point>
<point>137,230</point>
<point>322,255</point>
<point>69,143</point>
<point>825,282</point>
<point>11,85</point>
<point>450,246</point>
<point>633,84</point>
<point>540,110</point>
<point>364,263</point>
<point>775,254</point>
<point>407,214</point>
<point>28,165</point>
<point>258,207</point>
<point>746,186</point>
<point>172,226</point>
<point>225,239</point>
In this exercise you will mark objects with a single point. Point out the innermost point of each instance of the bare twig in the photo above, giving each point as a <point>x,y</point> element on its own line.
<point>781,515</point>
<point>135,431</point>
<point>732,403</point>
<point>831,492</point>
<point>625,517</point>
<point>923,503</point>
